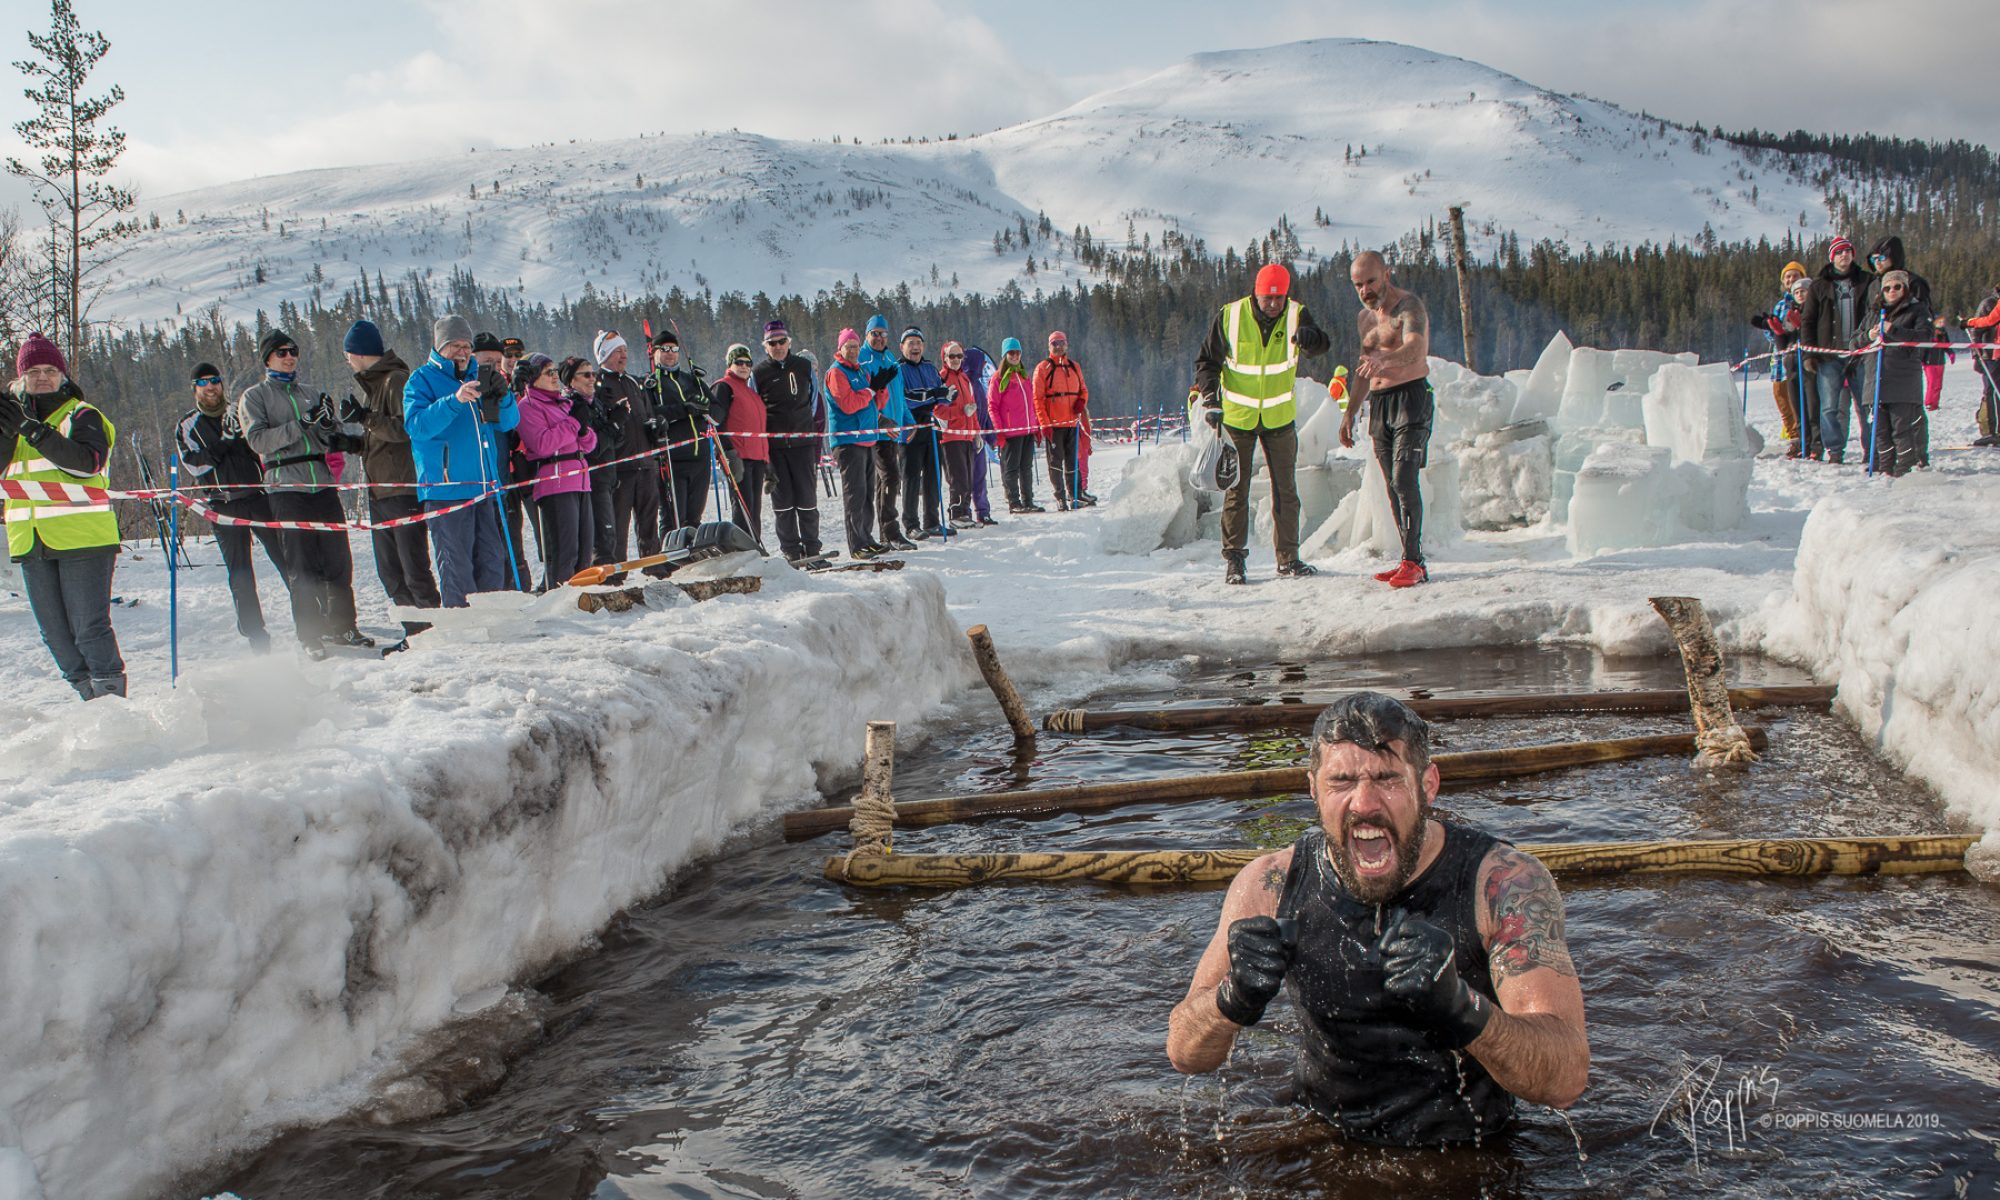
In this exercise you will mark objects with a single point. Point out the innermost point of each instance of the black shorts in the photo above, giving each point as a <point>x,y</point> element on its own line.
<point>1399,418</point>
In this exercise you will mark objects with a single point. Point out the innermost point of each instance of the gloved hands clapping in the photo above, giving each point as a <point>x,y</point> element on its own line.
<point>1260,952</point>
<point>352,411</point>
<point>11,414</point>
<point>1419,970</point>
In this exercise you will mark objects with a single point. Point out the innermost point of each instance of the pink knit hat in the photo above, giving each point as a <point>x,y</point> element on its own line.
<point>38,351</point>
<point>847,335</point>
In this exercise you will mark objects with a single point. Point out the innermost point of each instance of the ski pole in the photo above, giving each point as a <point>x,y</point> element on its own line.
<point>1875,420</point>
<point>173,576</point>
<point>1746,381</point>
<point>499,505</point>
<point>937,464</point>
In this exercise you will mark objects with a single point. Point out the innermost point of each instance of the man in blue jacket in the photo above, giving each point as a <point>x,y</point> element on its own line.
<point>886,376</point>
<point>455,414</point>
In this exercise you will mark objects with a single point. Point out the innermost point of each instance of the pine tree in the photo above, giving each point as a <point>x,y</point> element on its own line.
<point>68,178</point>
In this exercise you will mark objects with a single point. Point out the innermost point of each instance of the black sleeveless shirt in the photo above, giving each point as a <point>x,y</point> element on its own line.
<point>1361,1064</point>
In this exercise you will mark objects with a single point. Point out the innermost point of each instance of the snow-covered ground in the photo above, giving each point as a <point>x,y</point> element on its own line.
<point>241,902</point>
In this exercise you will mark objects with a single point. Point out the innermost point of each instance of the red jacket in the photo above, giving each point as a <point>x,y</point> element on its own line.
<point>961,416</point>
<point>1060,392</point>
<point>746,415</point>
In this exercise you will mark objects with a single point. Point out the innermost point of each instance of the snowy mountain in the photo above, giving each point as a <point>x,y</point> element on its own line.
<point>1218,147</point>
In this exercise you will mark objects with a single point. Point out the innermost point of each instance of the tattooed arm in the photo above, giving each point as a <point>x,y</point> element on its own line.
<point>1198,1035</point>
<point>1535,1045</point>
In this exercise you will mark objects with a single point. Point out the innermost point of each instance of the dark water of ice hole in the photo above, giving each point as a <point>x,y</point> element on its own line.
<point>759,1032</point>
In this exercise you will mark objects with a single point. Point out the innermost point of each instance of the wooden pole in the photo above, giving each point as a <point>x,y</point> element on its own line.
<point>1003,687</point>
<point>1719,740</point>
<point>1434,708</point>
<point>1166,868</point>
<point>1464,270</point>
<point>1459,770</point>
<point>874,811</point>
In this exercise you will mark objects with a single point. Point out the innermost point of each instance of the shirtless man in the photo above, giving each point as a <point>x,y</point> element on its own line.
<point>1406,941</point>
<point>1395,344</point>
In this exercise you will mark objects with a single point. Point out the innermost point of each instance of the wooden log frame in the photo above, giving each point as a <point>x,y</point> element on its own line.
<point>1460,769</point>
<point>1003,687</point>
<point>626,599</point>
<point>1803,857</point>
<point>1719,739</point>
<point>1431,708</point>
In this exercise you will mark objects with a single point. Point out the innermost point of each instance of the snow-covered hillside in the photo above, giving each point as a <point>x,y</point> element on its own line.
<point>1379,137</point>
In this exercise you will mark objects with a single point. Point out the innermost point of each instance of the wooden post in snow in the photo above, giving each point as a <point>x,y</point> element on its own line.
<point>1464,270</point>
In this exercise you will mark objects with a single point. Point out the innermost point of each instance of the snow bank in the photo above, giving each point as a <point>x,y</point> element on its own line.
<point>1893,601</point>
<point>227,904</point>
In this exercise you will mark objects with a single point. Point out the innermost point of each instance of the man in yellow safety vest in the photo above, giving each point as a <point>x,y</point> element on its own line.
<point>66,547</point>
<point>1244,374</point>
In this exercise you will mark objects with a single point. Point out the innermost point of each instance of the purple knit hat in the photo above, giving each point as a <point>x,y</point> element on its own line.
<point>38,351</point>
<point>775,328</point>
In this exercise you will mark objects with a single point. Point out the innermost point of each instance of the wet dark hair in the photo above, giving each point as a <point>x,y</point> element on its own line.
<point>1371,721</point>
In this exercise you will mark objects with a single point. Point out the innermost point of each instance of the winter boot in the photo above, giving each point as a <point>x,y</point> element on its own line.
<point>1232,569</point>
<point>1386,576</point>
<point>352,637</point>
<point>1297,568</point>
<point>1409,574</point>
<point>111,685</point>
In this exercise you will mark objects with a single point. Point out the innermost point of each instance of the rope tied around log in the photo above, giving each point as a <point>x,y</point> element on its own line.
<point>875,809</point>
<point>1719,740</point>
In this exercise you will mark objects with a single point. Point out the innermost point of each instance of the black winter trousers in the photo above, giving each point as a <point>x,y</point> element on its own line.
<point>958,469</point>
<point>403,554</point>
<point>920,480</point>
<point>682,506</point>
<point>889,489</point>
<point>319,566</point>
<point>566,536</point>
<point>795,498</point>
<point>234,542</point>
<point>1062,462</point>
<point>857,494</point>
<point>637,501</point>
<point>1017,470</point>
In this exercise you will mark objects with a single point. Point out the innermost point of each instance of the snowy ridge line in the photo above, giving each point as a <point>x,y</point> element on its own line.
<point>1870,348</point>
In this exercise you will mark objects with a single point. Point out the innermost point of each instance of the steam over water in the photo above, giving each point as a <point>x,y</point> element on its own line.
<point>759,1032</point>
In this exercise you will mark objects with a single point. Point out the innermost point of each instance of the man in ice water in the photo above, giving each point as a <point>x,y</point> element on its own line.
<point>1426,959</point>
<point>1391,375</point>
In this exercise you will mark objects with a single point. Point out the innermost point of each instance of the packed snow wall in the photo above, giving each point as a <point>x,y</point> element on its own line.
<point>1614,448</point>
<point>1893,601</point>
<point>225,911</point>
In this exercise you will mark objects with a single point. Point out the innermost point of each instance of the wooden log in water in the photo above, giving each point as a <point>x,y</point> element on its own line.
<point>1003,687</point>
<point>875,810</point>
<point>627,599</point>
<point>1167,868</point>
<point>1432,708</point>
<point>1720,739</point>
<point>1459,769</point>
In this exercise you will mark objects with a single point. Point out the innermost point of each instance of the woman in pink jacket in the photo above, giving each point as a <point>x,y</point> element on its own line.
<point>554,439</point>
<point>1010,398</point>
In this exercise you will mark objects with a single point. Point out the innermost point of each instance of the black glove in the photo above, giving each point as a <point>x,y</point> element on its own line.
<point>353,411</point>
<point>883,378</point>
<point>11,414</point>
<point>951,393</point>
<point>1419,970</point>
<point>656,428</point>
<point>33,431</point>
<point>1761,321</point>
<point>700,376</point>
<point>1214,418</point>
<point>232,425</point>
<point>1260,952</point>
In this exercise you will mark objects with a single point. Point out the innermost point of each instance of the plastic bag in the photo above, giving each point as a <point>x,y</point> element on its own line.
<point>1215,468</point>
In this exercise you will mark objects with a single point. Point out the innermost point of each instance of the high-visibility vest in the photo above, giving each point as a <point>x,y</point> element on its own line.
<point>59,524</point>
<point>1258,375</point>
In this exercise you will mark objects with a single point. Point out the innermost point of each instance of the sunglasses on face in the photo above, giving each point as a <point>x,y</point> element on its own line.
<point>584,375</point>
<point>287,352</point>
<point>208,382</point>
<point>954,358</point>
<point>777,341</point>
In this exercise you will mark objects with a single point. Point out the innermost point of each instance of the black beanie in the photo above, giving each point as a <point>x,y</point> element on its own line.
<point>487,341</point>
<point>666,337</point>
<point>204,370</point>
<point>273,342</point>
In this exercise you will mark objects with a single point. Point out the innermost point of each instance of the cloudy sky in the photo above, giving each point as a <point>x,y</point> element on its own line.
<point>222,89</point>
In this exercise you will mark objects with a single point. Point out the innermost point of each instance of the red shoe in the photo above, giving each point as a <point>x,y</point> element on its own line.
<point>1386,576</point>
<point>1408,574</point>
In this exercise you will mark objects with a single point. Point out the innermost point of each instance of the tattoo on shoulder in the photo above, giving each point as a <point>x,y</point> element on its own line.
<point>1274,881</point>
<point>1411,315</point>
<point>1526,915</point>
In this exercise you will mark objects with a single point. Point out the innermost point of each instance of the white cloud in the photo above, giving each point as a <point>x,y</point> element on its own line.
<point>517,72</point>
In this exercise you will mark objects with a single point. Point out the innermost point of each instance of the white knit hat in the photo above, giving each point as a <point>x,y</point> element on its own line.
<point>606,343</point>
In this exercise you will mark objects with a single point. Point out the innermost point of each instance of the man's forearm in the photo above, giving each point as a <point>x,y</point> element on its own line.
<point>1537,1056</point>
<point>1198,1035</point>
